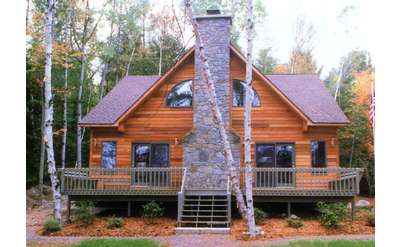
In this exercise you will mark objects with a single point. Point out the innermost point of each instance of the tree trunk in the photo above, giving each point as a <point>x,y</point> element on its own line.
<point>339,79</point>
<point>103,79</point>
<point>206,74</point>
<point>65,114</point>
<point>130,60</point>
<point>42,147</point>
<point>79,113</point>
<point>48,137</point>
<point>160,62</point>
<point>249,95</point>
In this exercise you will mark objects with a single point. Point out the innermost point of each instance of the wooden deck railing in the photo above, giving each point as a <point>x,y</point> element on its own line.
<point>305,181</point>
<point>121,180</point>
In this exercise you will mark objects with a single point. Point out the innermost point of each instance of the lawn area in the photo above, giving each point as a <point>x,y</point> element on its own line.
<point>336,243</point>
<point>106,243</point>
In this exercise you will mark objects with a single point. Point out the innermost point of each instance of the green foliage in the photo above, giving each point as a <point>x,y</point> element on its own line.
<point>118,243</point>
<point>335,243</point>
<point>51,225</point>
<point>331,213</point>
<point>152,210</point>
<point>114,222</point>
<point>371,218</point>
<point>265,61</point>
<point>259,215</point>
<point>84,212</point>
<point>295,221</point>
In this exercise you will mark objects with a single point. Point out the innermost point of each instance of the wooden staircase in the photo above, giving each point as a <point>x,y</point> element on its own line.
<point>205,210</point>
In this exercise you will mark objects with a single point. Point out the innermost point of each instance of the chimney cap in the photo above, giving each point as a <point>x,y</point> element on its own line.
<point>213,11</point>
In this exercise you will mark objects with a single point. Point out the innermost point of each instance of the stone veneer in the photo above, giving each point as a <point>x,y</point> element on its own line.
<point>203,149</point>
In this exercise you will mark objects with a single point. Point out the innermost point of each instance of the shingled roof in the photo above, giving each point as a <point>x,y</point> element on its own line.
<point>306,92</point>
<point>119,100</point>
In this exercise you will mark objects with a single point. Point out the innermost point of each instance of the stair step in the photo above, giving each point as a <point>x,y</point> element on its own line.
<point>204,222</point>
<point>204,216</point>
<point>205,205</point>
<point>216,211</point>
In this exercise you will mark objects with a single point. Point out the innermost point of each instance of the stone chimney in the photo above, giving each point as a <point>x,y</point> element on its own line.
<point>203,148</point>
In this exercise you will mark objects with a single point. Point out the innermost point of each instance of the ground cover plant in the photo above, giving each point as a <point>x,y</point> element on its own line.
<point>331,213</point>
<point>336,243</point>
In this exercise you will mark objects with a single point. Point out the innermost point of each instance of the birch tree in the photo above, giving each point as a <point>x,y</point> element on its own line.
<point>65,103</point>
<point>81,43</point>
<point>249,95</point>
<point>206,76</point>
<point>48,100</point>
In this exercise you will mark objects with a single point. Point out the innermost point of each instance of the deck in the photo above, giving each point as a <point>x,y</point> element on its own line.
<point>267,182</point>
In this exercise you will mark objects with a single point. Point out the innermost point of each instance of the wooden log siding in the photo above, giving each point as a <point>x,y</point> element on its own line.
<point>273,122</point>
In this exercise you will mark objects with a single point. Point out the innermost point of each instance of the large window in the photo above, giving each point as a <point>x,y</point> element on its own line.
<point>239,94</point>
<point>275,155</point>
<point>181,95</point>
<point>108,154</point>
<point>151,155</point>
<point>318,154</point>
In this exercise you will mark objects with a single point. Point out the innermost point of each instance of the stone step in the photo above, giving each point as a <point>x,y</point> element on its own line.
<point>202,230</point>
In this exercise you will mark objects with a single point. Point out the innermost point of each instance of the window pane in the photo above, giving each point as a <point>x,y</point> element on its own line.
<point>181,95</point>
<point>284,155</point>
<point>142,155</point>
<point>239,94</point>
<point>108,155</point>
<point>159,155</point>
<point>318,154</point>
<point>265,155</point>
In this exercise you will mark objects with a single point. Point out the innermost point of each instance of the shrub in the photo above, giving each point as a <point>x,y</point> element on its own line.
<point>294,221</point>
<point>114,222</point>
<point>371,218</point>
<point>331,213</point>
<point>152,210</point>
<point>51,225</point>
<point>84,212</point>
<point>259,215</point>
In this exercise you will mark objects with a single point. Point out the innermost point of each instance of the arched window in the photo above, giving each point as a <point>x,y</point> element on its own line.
<point>181,95</point>
<point>239,93</point>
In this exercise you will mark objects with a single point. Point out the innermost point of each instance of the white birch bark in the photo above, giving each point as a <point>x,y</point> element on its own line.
<point>206,74</point>
<point>338,81</point>
<point>249,95</point>
<point>42,148</point>
<point>65,113</point>
<point>160,61</point>
<point>48,137</point>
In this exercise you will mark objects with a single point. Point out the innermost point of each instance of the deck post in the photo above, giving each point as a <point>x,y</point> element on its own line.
<point>129,208</point>
<point>289,209</point>
<point>68,209</point>
<point>353,208</point>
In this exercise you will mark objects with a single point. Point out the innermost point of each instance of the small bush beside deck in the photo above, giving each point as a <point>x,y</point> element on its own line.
<point>51,225</point>
<point>85,212</point>
<point>114,222</point>
<point>331,213</point>
<point>152,210</point>
<point>259,215</point>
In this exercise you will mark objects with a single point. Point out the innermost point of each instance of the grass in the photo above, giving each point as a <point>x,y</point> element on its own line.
<point>117,243</point>
<point>104,243</point>
<point>336,243</point>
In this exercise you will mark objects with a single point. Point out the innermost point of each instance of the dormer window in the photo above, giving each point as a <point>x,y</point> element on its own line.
<point>239,92</point>
<point>181,95</point>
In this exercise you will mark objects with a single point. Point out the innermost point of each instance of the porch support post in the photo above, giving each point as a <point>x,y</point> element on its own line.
<point>129,208</point>
<point>289,209</point>
<point>353,208</point>
<point>68,209</point>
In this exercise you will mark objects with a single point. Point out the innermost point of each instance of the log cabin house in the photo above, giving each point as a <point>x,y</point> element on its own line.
<point>153,137</point>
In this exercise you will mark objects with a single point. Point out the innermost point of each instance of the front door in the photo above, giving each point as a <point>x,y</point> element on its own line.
<point>150,163</point>
<point>275,156</point>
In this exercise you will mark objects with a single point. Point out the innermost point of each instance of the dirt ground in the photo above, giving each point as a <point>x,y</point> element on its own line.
<point>275,227</point>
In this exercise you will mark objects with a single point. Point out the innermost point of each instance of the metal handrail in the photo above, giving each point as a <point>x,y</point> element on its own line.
<point>183,180</point>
